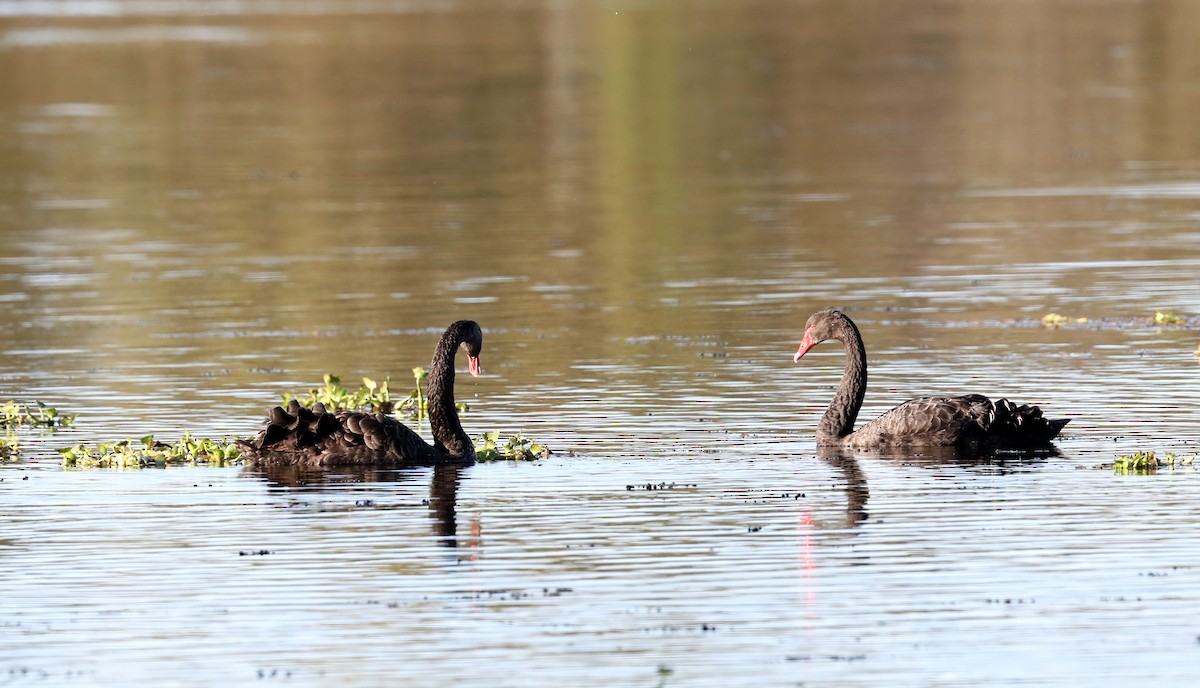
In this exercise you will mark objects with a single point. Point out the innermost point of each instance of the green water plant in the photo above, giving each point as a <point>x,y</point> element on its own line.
<point>1053,320</point>
<point>371,396</point>
<point>1168,318</point>
<point>416,406</point>
<point>151,453</point>
<point>1137,463</point>
<point>1147,463</point>
<point>10,447</point>
<point>13,413</point>
<point>490,447</point>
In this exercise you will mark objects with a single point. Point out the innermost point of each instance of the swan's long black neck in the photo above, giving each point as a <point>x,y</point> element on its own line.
<point>448,434</point>
<point>839,418</point>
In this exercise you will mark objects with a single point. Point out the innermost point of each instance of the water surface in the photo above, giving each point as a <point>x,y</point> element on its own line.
<point>203,205</point>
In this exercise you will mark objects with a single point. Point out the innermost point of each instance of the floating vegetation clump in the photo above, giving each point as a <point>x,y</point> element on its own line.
<point>150,453</point>
<point>1159,319</point>
<point>1053,320</point>
<point>9,448</point>
<point>1147,463</point>
<point>371,396</point>
<point>13,413</point>
<point>490,447</point>
<point>1141,462</point>
<point>1167,318</point>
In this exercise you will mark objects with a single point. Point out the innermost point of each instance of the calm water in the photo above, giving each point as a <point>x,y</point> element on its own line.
<point>203,205</point>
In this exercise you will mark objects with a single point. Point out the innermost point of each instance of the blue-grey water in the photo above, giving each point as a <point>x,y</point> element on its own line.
<point>204,205</point>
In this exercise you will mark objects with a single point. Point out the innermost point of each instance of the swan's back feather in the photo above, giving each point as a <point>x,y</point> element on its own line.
<point>315,438</point>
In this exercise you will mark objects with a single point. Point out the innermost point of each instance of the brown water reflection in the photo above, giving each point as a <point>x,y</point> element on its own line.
<point>353,170</point>
<point>996,462</point>
<point>203,205</point>
<point>443,489</point>
<point>857,491</point>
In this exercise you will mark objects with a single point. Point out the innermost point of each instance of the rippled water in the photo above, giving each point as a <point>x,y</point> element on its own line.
<point>203,205</point>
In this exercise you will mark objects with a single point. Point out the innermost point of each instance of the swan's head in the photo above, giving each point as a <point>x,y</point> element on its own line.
<point>472,342</point>
<point>822,325</point>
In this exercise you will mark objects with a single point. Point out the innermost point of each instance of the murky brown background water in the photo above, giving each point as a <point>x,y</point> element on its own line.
<point>205,204</point>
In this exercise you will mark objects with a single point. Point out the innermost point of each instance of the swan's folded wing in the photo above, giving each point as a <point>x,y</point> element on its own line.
<point>929,421</point>
<point>963,421</point>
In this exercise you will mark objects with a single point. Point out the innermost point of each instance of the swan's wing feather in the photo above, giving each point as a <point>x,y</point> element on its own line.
<point>972,419</point>
<point>933,421</point>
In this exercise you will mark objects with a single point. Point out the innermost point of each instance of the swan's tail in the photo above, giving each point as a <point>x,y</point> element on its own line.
<point>1024,424</point>
<point>290,431</point>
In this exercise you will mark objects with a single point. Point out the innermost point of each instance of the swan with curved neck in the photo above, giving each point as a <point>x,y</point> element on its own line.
<point>315,437</point>
<point>972,420</point>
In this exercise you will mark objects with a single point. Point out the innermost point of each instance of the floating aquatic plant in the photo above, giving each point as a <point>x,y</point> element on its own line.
<point>9,448</point>
<point>1147,463</point>
<point>1141,462</point>
<point>490,447</point>
<point>416,406</point>
<point>1053,320</point>
<point>188,451</point>
<point>1167,318</point>
<point>14,413</point>
<point>371,396</point>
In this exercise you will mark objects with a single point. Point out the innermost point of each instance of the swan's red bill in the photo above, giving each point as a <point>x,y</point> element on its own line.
<point>805,344</point>
<point>473,366</point>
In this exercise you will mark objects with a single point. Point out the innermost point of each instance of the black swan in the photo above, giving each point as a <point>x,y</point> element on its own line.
<point>971,421</point>
<point>317,438</point>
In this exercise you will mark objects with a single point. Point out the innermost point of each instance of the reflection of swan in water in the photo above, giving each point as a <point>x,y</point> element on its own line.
<point>857,492</point>
<point>443,488</point>
<point>443,503</point>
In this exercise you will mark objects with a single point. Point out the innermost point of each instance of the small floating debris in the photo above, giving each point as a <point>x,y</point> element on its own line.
<point>650,487</point>
<point>1159,319</point>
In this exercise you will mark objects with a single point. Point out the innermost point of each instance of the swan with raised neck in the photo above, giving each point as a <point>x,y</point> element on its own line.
<point>972,420</point>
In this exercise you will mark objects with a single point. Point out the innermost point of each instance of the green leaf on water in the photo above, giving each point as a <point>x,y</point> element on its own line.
<point>490,447</point>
